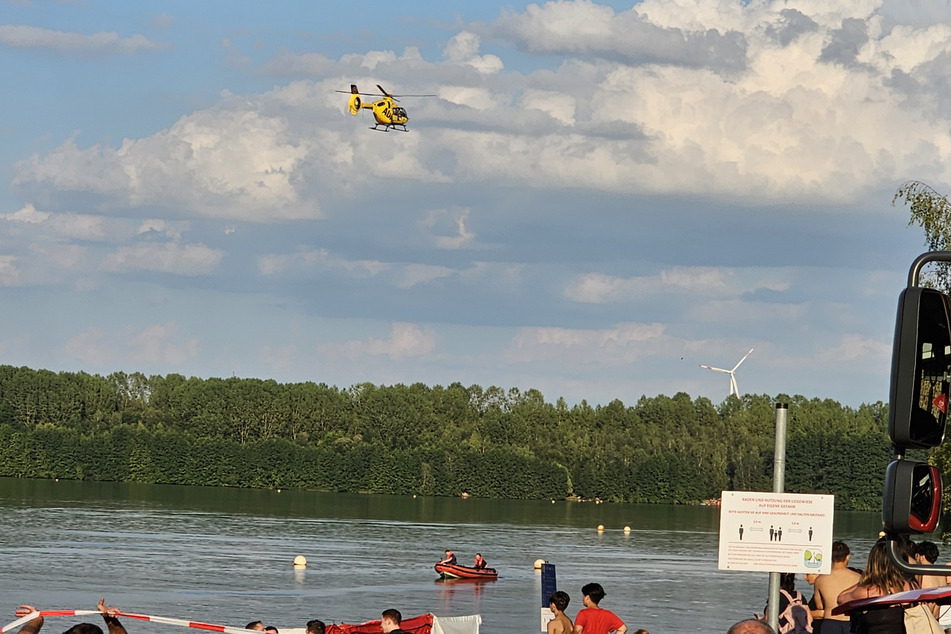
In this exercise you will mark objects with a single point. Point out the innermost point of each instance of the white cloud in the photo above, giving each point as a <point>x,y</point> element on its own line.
<point>67,225</point>
<point>20,36</point>
<point>158,344</point>
<point>599,288</point>
<point>405,340</point>
<point>224,163</point>
<point>856,349</point>
<point>449,227</point>
<point>619,345</point>
<point>9,273</point>
<point>305,259</point>
<point>463,48</point>
<point>177,259</point>
<point>413,274</point>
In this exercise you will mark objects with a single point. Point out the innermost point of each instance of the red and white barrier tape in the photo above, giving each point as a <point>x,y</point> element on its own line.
<point>142,617</point>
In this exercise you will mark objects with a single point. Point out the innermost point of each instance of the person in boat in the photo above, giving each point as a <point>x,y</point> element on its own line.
<point>561,624</point>
<point>480,563</point>
<point>594,619</point>
<point>270,629</point>
<point>450,559</point>
<point>108,615</point>
<point>390,623</point>
<point>257,626</point>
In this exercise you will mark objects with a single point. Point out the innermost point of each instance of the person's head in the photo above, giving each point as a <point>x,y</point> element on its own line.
<point>880,571</point>
<point>641,631</point>
<point>448,552</point>
<point>478,555</point>
<point>255,625</point>
<point>787,581</point>
<point>316,627</point>
<point>927,551</point>
<point>270,629</point>
<point>750,626</point>
<point>593,591</point>
<point>391,619</point>
<point>559,601</point>
<point>84,628</point>
<point>840,552</point>
<point>811,577</point>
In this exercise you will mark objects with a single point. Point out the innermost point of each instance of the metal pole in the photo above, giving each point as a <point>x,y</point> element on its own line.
<point>779,485</point>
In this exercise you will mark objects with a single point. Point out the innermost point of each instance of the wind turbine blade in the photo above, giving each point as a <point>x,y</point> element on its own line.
<point>734,389</point>
<point>743,359</point>
<point>710,367</point>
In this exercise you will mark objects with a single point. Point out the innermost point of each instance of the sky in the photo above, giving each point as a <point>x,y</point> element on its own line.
<point>599,197</point>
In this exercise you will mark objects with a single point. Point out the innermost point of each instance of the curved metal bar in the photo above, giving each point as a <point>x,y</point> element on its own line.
<point>931,256</point>
<point>907,568</point>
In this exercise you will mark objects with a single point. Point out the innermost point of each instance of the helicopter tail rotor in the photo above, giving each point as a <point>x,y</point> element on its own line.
<point>355,103</point>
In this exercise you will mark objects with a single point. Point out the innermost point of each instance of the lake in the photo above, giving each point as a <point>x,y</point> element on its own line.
<point>225,556</point>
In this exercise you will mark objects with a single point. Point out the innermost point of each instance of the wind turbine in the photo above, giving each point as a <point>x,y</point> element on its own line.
<point>733,389</point>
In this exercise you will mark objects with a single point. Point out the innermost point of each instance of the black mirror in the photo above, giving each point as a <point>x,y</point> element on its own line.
<point>921,369</point>
<point>912,498</point>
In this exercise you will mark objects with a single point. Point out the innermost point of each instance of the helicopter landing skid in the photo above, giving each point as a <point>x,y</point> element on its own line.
<point>386,128</point>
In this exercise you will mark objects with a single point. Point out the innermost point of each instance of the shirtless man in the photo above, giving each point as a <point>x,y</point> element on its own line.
<point>828,587</point>
<point>561,624</point>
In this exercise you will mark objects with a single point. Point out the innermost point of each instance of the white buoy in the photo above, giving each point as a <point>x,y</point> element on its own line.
<point>600,528</point>
<point>538,563</point>
<point>300,561</point>
<point>627,529</point>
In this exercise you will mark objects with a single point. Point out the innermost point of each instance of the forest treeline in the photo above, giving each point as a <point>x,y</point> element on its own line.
<point>429,440</point>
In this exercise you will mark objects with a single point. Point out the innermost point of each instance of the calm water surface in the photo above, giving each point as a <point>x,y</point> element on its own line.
<point>225,556</point>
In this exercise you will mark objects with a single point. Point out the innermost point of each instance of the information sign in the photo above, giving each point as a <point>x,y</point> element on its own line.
<point>776,532</point>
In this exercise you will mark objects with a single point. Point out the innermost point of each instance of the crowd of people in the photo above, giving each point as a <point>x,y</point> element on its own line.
<point>389,623</point>
<point>592,619</point>
<point>844,583</point>
<point>796,615</point>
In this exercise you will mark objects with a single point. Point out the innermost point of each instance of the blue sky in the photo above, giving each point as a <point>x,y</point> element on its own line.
<point>600,197</point>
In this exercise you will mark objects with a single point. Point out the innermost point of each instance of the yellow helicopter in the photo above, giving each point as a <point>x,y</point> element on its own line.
<point>386,112</point>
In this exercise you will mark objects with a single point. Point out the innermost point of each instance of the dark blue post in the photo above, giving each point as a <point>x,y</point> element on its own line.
<point>548,583</point>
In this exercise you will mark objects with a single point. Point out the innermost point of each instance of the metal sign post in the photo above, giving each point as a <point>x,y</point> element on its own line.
<point>779,484</point>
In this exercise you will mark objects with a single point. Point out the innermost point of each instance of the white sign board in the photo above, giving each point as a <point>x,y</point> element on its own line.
<point>776,532</point>
<point>547,615</point>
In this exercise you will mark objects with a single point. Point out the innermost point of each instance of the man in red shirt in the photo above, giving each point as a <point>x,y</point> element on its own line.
<point>593,619</point>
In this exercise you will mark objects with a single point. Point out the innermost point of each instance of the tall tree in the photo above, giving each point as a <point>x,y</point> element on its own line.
<point>932,212</point>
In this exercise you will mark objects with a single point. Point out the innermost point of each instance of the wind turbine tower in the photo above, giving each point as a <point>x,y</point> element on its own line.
<point>733,389</point>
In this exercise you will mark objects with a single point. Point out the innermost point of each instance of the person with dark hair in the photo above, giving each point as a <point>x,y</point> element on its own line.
<point>450,559</point>
<point>255,625</point>
<point>828,587</point>
<point>390,623</point>
<point>270,629</point>
<point>316,627</point>
<point>108,615</point>
<point>750,626</point>
<point>794,614</point>
<point>561,624</point>
<point>480,563</point>
<point>927,553</point>
<point>594,619</point>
